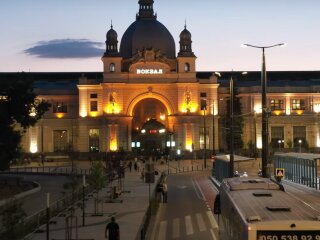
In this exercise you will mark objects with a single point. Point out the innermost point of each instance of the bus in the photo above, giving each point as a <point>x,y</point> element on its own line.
<point>260,209</point>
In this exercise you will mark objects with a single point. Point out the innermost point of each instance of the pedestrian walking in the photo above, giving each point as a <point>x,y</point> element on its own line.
<point>138,166</point>
<point>164,192</point>
<point>130,165</point>
<point>112,230</point>
<point>142,174</point>
<point>135,166</point>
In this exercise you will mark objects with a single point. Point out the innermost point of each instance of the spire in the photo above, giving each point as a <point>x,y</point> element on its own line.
<point>185,42</point>
<point>146,10</point>
<point>111,42</point>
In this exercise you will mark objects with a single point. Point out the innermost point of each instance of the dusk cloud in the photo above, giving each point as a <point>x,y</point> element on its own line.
<point>66,48</point>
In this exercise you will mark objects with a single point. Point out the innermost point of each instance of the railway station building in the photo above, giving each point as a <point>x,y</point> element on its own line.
<point>150,99</point>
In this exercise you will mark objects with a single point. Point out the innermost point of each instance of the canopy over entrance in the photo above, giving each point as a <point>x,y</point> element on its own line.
<point>151,138</point>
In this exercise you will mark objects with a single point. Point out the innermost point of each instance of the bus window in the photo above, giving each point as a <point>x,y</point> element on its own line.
<point>216,205</point>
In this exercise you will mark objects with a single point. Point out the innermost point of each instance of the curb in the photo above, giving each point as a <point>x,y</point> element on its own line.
<point>215,182</point>
<point>22,195</point>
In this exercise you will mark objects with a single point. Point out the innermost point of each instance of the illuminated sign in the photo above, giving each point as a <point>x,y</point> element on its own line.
<point>149,71</point>
<point>286,235</point>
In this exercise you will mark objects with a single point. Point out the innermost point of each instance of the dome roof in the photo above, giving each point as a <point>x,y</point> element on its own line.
<point>185,35</point>
<point>112,35</point>
<point>145,34</point>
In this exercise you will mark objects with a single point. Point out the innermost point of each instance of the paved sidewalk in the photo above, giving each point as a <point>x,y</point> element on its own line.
<point>129,208</point>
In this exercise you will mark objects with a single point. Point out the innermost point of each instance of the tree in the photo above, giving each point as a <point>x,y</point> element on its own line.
<point>19,109</point>
<point>237,122</point>
<point>12,215</point>
<point>97,180</point>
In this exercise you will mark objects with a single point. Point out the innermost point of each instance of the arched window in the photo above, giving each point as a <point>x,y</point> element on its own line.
<point>187,67</point>
<point>112,67</point>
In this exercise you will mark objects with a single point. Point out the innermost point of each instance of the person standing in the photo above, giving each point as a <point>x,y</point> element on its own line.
<point>112,230</point>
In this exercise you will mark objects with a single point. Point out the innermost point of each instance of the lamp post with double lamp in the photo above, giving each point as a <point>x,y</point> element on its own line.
<point>231,166</point>
<point>265,150</point>
<point>218,74</point>
<point>203,107</point>
<point>83,199</point>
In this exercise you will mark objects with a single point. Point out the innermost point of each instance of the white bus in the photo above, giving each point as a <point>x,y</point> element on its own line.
<point>259,209</point>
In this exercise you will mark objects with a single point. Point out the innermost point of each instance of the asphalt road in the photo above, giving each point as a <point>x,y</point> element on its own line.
<point>308,196</point>
<point>187,214</point>
<point>37,201</point>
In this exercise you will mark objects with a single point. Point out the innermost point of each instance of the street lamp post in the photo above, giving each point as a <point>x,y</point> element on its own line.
<point>48,217</point>
<point>213,130</point>
<point>300,141</point>
<point>205,138</point>
<point>83,199</point>
<point>265,150</point>
<point>231,166</point>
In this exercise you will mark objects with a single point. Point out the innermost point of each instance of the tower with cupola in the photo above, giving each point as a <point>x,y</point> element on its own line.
<point>186,58</point>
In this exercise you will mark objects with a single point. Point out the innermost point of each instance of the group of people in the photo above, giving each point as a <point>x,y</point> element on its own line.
<point>112,230</point>
<point>137,166</point>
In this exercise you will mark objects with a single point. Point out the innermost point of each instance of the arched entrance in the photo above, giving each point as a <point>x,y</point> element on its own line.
<point>150,132</point>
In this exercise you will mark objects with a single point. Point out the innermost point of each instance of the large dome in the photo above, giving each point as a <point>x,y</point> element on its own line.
<point>146,34</point>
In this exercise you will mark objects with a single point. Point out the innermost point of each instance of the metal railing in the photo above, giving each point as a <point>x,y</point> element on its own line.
<point>32,223</point>
<point>62,171</point>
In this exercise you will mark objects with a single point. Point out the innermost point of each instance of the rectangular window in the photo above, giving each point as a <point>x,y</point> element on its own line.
<point>276,104</point>
<point>60,140</point>
<point>59,107</point>
<point>203,95</point>
<point>298,104</point>
<point>204,137</point>
<point>203,100</point>
<point>93,95</point>
<point>299,136</point>
<point>94,137</point>
<point>277,137</point>
<point>93,106</point>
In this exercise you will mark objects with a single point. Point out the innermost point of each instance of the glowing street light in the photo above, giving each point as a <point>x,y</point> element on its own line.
<point>265,150</point>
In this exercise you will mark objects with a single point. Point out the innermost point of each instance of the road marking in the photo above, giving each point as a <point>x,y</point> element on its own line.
<point>213,222</point>
<point>201,224</point>
<point>212,234</point>
<point>189,227</point>
<point>176,228</point>
<point>162,230</point>
<point>181,187</point>
<point>197,189</point>
<point>154,228</point>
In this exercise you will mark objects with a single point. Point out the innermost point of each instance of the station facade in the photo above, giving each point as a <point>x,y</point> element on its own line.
<point>151,100</point>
